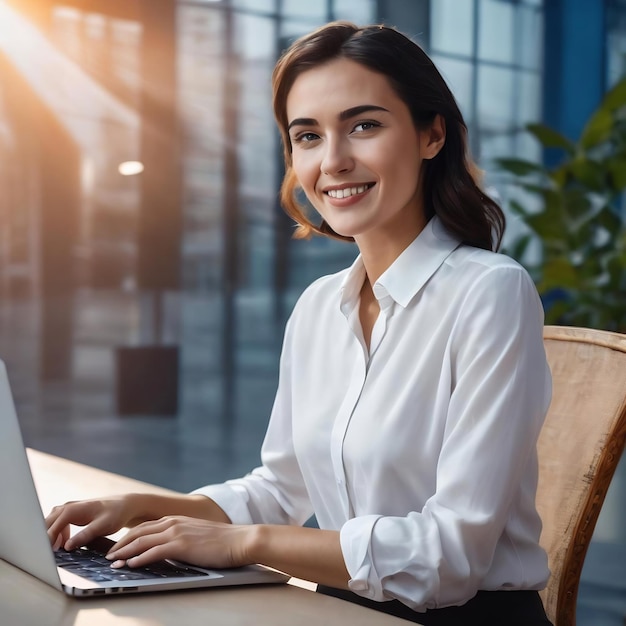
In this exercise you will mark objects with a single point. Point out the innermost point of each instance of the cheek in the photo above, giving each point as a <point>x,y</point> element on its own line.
<point>306,171</point>
<point>404,165</point>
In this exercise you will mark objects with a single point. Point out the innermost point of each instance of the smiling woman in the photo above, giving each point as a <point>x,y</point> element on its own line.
<point>413,385</point>
<point>450,188</point>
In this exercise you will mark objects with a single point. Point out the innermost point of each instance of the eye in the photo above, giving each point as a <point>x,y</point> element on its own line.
<point>362,127</point>
<point>305,137</point>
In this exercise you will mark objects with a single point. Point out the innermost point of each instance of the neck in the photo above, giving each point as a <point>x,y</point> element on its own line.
<point>379,251</point>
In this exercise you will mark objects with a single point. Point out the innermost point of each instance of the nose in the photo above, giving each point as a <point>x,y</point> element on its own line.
<point>337,157</point>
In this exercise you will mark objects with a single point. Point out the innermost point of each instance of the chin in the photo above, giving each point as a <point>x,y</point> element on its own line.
<point>349,230</point>
<point>345,232</point>
<point>345,228</point>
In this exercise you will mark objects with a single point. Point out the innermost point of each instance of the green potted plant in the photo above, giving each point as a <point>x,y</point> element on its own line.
<point>580,270</point>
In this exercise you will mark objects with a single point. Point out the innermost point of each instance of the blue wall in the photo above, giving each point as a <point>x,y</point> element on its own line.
<point>575,67</point>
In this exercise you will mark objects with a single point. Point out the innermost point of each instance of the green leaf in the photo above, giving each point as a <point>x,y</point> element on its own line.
<point>520,167</point>
<point>589,173</point>
<point>559,273</point>
<point>577,204</point>
<point>616,97</point>
<point>617,272</point>
<point>538,190</point>
<point>547,225</point>
<point>609,219</point>
<point>598,129</point>
<point>559,175</point>
<point>617,171</point>
<point>518,209</point>
<point>550,138</point>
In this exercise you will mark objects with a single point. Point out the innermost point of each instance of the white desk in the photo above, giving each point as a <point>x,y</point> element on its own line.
<point>25,601</point>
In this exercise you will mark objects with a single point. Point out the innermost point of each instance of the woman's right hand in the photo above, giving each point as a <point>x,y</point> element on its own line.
<point>98,517</point>
<point>107,515</point>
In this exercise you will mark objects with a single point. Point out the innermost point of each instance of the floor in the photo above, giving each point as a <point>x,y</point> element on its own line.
<point>219,427</point>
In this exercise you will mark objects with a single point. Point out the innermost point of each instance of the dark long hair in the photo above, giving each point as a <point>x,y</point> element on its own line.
<point>450,185</point>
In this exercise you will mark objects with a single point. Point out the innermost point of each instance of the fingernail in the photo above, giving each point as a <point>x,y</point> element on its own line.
<point>118,563</point>
<point>110,556</point>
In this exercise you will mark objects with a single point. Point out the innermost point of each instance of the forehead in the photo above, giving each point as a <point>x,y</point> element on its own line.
<point>336,86</point>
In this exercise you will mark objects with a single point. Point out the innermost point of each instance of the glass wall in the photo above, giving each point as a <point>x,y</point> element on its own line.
<point>616,53</point>
<point>101,112</point>
<point>616,40</point>
<point>491,53</point>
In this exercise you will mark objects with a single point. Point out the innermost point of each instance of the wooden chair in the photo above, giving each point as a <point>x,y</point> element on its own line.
<point>579,448</point>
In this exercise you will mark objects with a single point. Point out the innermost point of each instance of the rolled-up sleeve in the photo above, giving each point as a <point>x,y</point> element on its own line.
<point>486,475</point>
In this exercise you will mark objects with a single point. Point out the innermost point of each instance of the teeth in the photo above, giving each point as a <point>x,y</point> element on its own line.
<point>346,193</point>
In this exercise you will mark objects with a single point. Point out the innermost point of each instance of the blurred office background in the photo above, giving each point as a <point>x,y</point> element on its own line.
<point>146,268</point>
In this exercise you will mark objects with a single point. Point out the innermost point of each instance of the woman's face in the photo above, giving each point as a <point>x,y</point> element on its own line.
<point>356,152</point>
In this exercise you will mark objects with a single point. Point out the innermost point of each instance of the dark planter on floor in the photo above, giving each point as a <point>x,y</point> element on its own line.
<point>147,380</point>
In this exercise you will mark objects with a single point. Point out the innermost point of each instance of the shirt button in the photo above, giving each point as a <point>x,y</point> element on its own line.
<point>339,481</point>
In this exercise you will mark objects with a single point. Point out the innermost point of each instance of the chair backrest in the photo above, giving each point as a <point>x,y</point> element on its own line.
<point>579,448</point>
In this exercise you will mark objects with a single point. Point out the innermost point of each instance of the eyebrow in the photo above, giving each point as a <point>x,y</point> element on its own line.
<point>343,116</point>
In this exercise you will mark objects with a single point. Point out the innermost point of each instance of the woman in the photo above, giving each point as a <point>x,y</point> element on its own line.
<point>413,385</point>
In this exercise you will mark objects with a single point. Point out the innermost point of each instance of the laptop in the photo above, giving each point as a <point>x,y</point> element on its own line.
<point>84,572</point>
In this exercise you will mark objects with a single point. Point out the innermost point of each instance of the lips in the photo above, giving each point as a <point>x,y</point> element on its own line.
<point>346,192</point>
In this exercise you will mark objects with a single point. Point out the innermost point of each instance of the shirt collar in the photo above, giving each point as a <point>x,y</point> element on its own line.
<point>351,285</point>
<point>404,278</point>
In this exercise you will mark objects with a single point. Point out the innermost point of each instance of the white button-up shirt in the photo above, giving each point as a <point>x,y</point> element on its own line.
<point>422,450</point>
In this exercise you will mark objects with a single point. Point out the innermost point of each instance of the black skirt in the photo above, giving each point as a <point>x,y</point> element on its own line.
<point>486,608</point>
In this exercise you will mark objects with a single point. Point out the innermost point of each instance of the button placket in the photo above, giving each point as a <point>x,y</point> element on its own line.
<point>340,427</point>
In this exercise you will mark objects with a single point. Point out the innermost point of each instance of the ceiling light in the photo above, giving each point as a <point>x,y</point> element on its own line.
<point>130,168</point>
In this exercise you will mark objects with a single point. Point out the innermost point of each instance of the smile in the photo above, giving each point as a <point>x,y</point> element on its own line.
<point>348,191</point>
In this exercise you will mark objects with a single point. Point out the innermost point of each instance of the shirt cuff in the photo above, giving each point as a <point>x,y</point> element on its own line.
<point>355,538</point>
<point>232,499</point>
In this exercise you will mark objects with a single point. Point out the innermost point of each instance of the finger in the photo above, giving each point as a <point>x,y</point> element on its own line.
<point>56,519</point>
<point>61,539</point>
<point>60,528</point>
<point>90,532</point>
<point>146,529</point>
<point>136,546</point>
<point>58,542</point>
<point>122,543</point>
<point>53,515</point>
<point>156,553</point>
<point>147,537</point>
<point>62,516</point>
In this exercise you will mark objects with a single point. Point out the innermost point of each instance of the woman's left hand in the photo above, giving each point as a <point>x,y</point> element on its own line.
<point>195,541</point>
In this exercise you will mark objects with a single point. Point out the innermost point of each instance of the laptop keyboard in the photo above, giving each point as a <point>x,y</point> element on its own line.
<point>93,565</point>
